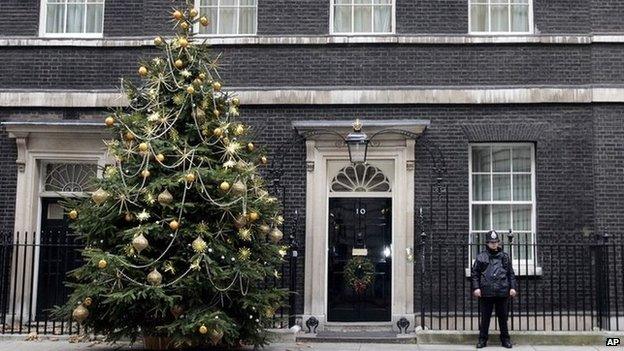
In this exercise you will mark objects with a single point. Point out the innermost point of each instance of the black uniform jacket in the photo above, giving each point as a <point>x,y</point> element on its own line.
<point>492,272</point>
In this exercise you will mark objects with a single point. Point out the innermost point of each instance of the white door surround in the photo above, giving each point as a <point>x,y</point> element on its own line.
<point>38,143</point>
<point>322,152</point>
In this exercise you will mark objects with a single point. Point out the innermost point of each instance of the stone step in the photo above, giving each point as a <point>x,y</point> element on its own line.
<point>364,337</point>
<point>358,327</point>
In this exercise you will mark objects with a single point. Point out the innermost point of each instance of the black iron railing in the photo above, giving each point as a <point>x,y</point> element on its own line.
<point>33,269</point>
<point>561,286</point>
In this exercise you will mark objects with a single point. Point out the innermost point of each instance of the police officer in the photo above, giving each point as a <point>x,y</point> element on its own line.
<point>493,282</point>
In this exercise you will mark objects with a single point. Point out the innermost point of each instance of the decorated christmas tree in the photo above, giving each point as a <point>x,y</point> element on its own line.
<point>181,234</point>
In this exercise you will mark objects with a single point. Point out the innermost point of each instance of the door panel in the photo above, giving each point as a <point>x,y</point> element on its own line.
<point>363,224</point>
<point>57,255</point>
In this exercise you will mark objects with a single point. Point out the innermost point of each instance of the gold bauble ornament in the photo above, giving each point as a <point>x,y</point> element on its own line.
<point>100,196</point>
<point>217,132</point>
<point>197,82</point>
<point>236,101</point>
<point>244,234</point>
<point>215,336</point>
<point>216,86</point>
<point>216,112</point>
<point>177,311</point>
<point>160,157</point>
<point>185,26</point>
<point>177,15</point>
<point>238,188</point>
<point>190,177</point>
<point>224,186</point>
<point>179,63</point>
<point>239,130</point>
<point>193,13</point>
<point>254,216</point>
<point>199,245</point>
<point>142,71</point>
<point>190,90</point>
<point>174,225</point>
<point>158,41</point>
<point>87,301</point>
<point>80,313</point>
<point>264,230</point>
<point>204,21</point>
<point>202,76</point>
<point>264,160</point>
<point>129,136</point>
<point>145,173</point>
<point>203,329</point>
<point>165,197</point>
<point>241,166</point>
<point>250,147</point>
<point>143,147</point>
<point>73,214</point>
<point>102,264</point>
<point>129,217</point>
<point>140,243</point>
<point>240,221</point>
<point>276,235</point>
<point>154,277</point>
<point>109,121</point>
<point>183,42</point>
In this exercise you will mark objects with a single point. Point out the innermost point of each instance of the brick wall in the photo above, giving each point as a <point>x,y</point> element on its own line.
<point>331,65</point>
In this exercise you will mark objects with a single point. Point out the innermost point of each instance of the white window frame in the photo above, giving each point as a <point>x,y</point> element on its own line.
<point>197,25</point>
<point>521,265</point>
<point>530,31</point>
<point>43,17</point>
<point>332,6</point>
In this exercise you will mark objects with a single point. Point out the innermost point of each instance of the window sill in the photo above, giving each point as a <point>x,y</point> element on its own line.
<point>522,272</point>
<point>315,40</point>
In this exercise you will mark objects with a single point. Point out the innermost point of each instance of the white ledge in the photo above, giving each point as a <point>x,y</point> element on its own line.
<point>325,40</point>
<point>334,95</point>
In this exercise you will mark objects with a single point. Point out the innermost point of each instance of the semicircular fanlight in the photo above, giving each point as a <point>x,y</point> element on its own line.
<point>360,178</point>
<point>70,177</point>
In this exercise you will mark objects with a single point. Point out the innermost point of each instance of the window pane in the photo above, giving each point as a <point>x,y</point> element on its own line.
<point>54,19</point>
<point>247,21</point>
<point>211,14</point>
<point>522,187</point>
<point>383,2</point>
<point>522,159</point>
<point>479,18</point>
<point>522,217</point>
<point>502,187</point>
<point>481,188</point>
<point>229,2</point>
<point>367,2</point>
<point>343,1</point>
<point>342,19</point>
<point>362,19</point>
<point>501,215</point>
<point>519,18</point>
<point>227,20</point>
<point>500,18</point>
<point>248,2</point>
<point>94,18</point>
<point>480,158</point>
<point>75,18</point>
<point>501,159</point>
<point>383,19</point>
<point>480,217</point>
<point>209,2</point>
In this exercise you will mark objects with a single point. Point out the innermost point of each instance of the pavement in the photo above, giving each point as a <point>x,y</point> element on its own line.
<point>64,345</point>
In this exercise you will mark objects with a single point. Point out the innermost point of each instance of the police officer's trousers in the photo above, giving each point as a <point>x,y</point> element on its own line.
<point>502,312</point>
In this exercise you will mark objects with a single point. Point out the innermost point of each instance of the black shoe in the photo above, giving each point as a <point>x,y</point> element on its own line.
<point>481,344</point>
<point>506,344</point>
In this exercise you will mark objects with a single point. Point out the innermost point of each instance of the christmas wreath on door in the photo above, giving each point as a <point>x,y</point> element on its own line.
<point>359,273</point>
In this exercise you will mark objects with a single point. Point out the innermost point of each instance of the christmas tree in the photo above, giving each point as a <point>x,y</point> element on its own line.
<point>181,234</point>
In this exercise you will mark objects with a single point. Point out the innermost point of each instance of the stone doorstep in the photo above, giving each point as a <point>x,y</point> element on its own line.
<point>458,337</point>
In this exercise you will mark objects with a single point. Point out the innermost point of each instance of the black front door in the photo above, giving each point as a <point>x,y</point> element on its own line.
<point>360,259</point>
<point>57,255</point>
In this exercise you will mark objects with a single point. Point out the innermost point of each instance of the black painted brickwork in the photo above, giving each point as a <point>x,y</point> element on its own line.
<point>283,65</point>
